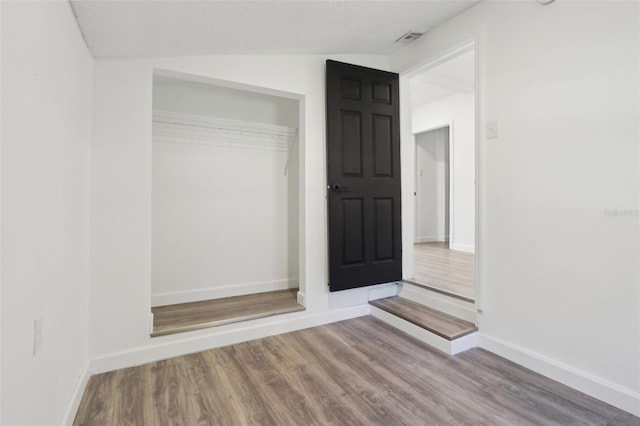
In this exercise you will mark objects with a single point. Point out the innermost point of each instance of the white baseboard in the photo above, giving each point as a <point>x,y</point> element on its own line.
<point>604,390</point>
<point>449,347</point>
<point>218,292</point>
<point>383,291</point>
<point>467,248</point>
<point>463,343</point>
<point>431,238</point>
<point>200,340</point>
<point>426,239</point>
<point>300,298</point>
<point>76,396</point>
<point>441,302</point>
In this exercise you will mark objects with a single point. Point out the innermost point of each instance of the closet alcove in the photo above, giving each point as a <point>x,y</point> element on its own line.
<point>225,204</point>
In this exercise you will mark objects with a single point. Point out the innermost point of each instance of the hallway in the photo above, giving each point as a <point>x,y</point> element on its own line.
<point>443,269</point>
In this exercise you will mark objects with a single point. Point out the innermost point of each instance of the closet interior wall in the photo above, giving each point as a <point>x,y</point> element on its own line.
<point>225,192</point>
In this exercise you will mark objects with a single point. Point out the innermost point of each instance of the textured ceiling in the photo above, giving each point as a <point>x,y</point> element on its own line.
<point>189,27</point>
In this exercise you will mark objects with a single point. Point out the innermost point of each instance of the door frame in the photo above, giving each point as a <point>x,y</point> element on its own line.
<point>415,176</point>
<point>408,157</point>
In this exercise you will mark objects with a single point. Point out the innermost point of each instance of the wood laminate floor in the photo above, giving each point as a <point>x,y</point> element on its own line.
<point>444,325</point>
<point>448,270</point>
<point>355,372</point>
<point>209,313</point>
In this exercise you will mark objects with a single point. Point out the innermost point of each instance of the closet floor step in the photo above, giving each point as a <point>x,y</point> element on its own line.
<point>438,323</point>
<point>210,313</point>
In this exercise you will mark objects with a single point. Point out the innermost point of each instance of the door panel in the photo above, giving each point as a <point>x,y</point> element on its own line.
<point>382,146</point>
<point>352,143</point>
<point>383,222</point>
<point>353,232</point>
<point>363,153</point>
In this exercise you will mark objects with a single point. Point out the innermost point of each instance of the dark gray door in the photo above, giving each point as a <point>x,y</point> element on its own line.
<point>363,156</point>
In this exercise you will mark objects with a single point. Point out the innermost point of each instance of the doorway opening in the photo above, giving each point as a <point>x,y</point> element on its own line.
<point>225,203</point>
<point>432,186</point>
<point>443,117</point>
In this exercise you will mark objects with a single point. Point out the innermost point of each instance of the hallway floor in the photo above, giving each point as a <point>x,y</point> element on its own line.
<point>447,270</point>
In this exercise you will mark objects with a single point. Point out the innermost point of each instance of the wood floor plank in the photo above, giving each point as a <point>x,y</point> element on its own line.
<point>248,404</point>
<point>131,405</point>
<point>183,317</point>
<point>336,366</point>
<point>169,394</point>
<point>437,322</point>
<point>97,402</point>
<point>439,267</point>
<point>355,372</point>
<point>446,407</point>
<point>205,399</point>
<point>376,374</point>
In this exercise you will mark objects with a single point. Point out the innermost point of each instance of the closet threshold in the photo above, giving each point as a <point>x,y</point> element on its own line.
<point>191,316</point>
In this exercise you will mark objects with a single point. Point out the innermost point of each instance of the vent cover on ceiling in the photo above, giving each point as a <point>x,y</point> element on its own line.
<point>408,37</point>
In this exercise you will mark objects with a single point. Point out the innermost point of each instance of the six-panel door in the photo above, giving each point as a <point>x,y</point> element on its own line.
<point>363,186</point>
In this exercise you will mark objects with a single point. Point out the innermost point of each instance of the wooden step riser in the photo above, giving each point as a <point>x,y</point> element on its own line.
<point>450,347</point>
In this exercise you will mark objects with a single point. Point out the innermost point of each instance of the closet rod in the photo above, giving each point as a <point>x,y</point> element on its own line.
<point>243,130</point>
<point>194,121</point>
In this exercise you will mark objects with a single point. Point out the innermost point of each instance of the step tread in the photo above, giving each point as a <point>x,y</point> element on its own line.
<point>211,313</point>
<point>439,323</point>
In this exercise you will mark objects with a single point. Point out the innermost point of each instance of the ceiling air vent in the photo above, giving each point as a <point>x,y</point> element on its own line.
<point>408,37</point>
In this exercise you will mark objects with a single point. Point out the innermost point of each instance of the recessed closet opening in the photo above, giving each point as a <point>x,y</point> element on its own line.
<point>225,203</point>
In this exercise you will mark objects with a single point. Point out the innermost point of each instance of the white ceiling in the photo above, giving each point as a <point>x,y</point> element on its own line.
<point>452,77</point>
<point>189,27</point>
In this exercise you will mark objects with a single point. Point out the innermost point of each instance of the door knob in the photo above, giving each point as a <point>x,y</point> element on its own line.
<point>336,187</point>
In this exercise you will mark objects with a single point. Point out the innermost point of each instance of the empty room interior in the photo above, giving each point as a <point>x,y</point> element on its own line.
<point>320,212</point>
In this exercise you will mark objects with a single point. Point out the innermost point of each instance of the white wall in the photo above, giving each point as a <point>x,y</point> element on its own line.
<point>121,203</point>
<point>432,186</point>
<point>458,111</point>
<point>223,102</point>
<point>46,133</point>
<point>559,276</point>
<point>220,208</point>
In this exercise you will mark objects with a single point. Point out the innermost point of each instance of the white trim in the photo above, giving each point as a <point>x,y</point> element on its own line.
<point>604,390</point>
<point>300,298</point>
<point>456,346</point>
<point>426,238</point>
<point>440,302</point>
<point>200,340</point>
<point>76,396</point>
<point>432,238</point>
<point>195,295</point>
<point>467,248</point>
<point>383,291</point>
<point>452,165</point>
<point>464,343</point>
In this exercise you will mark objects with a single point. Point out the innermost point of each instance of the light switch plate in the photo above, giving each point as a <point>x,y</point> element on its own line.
<point>492,130</point>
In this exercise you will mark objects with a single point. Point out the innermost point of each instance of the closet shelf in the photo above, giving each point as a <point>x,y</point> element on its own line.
<point>182,128</point>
